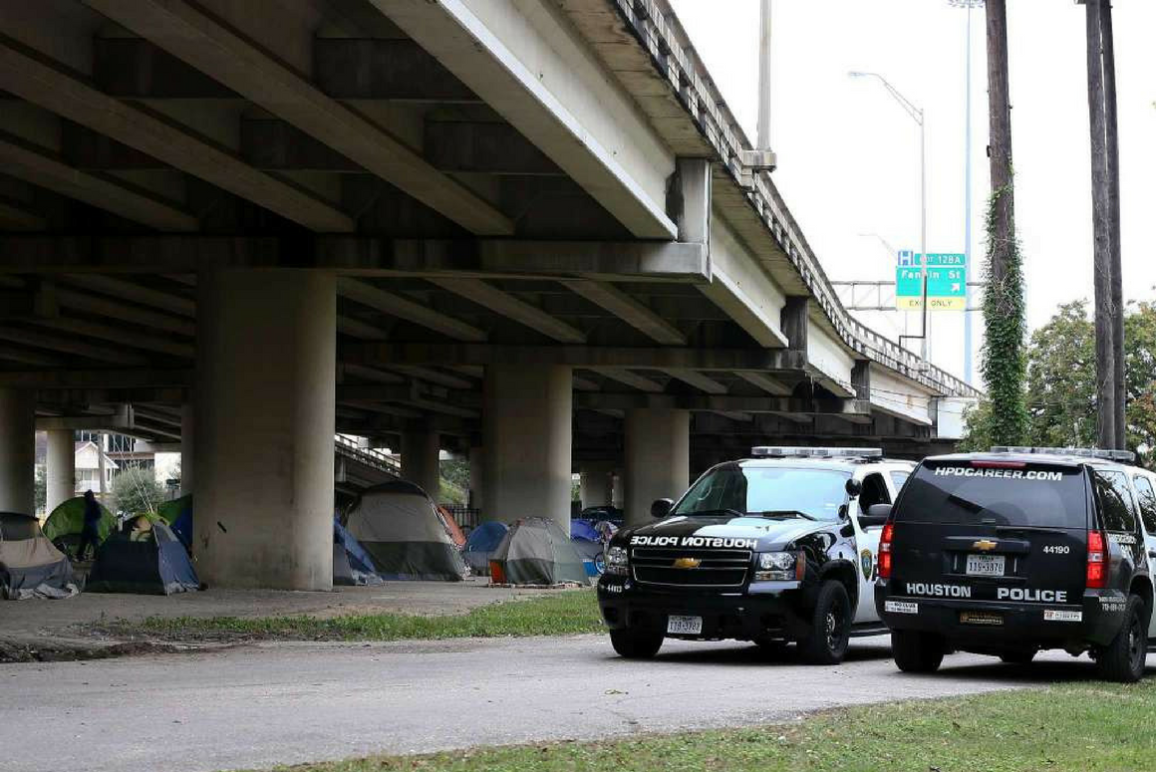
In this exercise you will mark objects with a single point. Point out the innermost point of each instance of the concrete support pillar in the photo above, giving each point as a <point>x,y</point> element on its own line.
<point>477,475</point>
<point>597,485</point>
<point>188,445</point>
<point>265,411</point>
<point>618,489</point>
<point>420,448</point>
<point>527,425</point>
<point>60,467</point>
<point>17,451</point>
<point>657,459</point>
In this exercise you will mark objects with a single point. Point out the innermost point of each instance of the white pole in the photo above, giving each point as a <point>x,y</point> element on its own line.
<point>967,340</point>
<point>923,235</point>
<point>765,75</point>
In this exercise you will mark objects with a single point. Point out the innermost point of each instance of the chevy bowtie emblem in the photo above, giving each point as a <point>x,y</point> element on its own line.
<point>687,563</point>
<point>985,545</point>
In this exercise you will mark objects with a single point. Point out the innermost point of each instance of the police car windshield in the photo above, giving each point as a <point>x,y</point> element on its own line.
<point>775,491</point>
<point>965,491</point>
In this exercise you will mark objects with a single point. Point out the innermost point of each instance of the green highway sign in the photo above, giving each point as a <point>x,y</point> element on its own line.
<point>946,281</point>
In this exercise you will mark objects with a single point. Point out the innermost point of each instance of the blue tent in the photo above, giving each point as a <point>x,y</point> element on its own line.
<point>149,561</point>
<point>481,544</point>
<point>352,565</point>
<point>583,530</point>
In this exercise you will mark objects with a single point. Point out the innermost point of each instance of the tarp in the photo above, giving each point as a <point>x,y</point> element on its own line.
<point>481,545</point>
<point>399,526</point>
<point>352,565</point>
<point>592,556</point>
<point>30,565</point>
<point>152,563</point>
<point>537,551</point>
<point>584,530</point>
<point>65,523</point>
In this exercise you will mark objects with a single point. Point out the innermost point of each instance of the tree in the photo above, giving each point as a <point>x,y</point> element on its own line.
<point>136,491</point>
<point>1004,362</point>
<point>41,488</point>
<point>1061,393</point>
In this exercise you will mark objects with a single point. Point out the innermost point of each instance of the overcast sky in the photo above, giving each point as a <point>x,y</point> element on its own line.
<point>849,156</point>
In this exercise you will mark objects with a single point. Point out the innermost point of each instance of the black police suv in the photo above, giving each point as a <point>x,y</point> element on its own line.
<point>1014,551</point>
<point>773,549</point>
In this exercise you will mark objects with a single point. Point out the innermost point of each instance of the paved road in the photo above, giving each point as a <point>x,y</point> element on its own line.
<point>257,706</point>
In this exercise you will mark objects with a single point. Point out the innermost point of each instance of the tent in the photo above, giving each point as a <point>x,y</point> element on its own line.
<point>147,561</point>
<point>452,527</point>
<point>29,564</point>
<point>481,545</point>
<point>65,523</point>
<point>537,551</point>
<point>399,526</point>
<point>178,513</point>
<point>352,565</point>
<point>593,560</point>
<point>584,530</point>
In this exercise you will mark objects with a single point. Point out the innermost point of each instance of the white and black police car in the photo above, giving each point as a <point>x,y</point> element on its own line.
<point>1017,550</point>
<point>775,549</point>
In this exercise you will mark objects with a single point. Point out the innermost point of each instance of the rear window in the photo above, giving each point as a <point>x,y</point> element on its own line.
<point>1031,495</point>
<point>1117,510</point>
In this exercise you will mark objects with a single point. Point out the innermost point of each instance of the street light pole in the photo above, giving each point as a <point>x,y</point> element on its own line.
<point>916,115</point>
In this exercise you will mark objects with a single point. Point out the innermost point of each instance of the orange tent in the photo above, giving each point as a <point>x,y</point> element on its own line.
<point>452,527</point>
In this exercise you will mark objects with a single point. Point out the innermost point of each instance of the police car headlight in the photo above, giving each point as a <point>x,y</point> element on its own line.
<point>617,561</point>
<point>778,567</point>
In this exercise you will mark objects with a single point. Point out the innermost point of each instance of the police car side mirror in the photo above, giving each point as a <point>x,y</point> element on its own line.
<point>877,514</point>
<point>853,487</point>
<point>661,507</point>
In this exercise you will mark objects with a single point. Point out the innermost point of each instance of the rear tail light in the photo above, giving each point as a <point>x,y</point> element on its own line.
<point>1097,558</point>
<point>885,551</point>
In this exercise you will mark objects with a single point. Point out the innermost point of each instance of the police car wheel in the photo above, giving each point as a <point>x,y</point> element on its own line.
<point>635,644</point>
<point>1123,659</point>
<point>826,644</point>
<point>1018,657</point>
<point>916,652</point>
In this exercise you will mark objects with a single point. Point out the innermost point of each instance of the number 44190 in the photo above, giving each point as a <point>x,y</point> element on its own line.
<point>1057,549</point>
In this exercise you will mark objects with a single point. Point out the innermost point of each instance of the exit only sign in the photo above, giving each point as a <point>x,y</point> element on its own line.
<point>946,281</point>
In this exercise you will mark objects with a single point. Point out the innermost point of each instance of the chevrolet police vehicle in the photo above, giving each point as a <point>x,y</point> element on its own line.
<point>1017,550</point>
<point>774,549</point>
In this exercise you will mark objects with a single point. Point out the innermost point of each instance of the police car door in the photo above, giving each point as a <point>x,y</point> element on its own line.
<point>1146,496</point>
<point>875,491</point>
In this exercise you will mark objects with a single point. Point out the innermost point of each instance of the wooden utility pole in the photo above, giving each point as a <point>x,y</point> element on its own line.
<point>1102,242</point>
<point>1000,142</point>
<point>1111,136</point>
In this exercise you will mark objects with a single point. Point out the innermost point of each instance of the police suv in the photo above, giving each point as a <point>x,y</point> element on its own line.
<point>1017,550</point>
<point>773,549</point>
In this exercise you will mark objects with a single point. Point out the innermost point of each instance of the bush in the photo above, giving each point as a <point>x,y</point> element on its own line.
<point>137,491</point>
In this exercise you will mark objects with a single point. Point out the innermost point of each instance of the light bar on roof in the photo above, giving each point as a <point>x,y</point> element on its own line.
<point>1124,456</point>
<point>781,451</point>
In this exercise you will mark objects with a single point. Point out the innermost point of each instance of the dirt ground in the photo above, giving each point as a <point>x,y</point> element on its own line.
<point>64,624</point>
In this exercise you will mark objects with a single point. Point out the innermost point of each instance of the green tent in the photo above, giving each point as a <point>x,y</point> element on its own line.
<point>171,510</point>
<point>66,522</point>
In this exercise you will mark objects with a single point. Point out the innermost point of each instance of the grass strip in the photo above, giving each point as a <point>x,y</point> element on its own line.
<point>562,612</point>
<point>1079,728</point>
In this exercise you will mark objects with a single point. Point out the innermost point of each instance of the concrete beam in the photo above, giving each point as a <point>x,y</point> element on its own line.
<point>765,382</point>
<point>95,304</point>
<point>409,310</point>
<point>550,111</point>
<point>355,328</point>
<point>484,148</point>
<point>126,290</point>
<point>126,339</point>
<point>26,357</point>
<point>723,403</point>
<point>396,69</point>
<point>500,302</point>
<point>39,167</point>
<point>15,216</point>
<point>134,68</point>
<point>624,376</point>
<point>202,41</point>
<point>121,419</point>
<point>696,379</point>
<point>118,378</point>
<point>365,373</point>
<point>69,345</point>
<point>360,256</point>
<point>590,357</point>
<point>629,310</point>
<point>29,77</point>
<point>435,376</point>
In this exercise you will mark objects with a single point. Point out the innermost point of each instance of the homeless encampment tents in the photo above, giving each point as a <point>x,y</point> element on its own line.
<point>352,565</point>
<point>537,551</point>
<point>29,565</point>
<point>481,545</point>
<point>401,529</point>
<point>65,523</point>
<point>452,528</point>
<point>143,560</point>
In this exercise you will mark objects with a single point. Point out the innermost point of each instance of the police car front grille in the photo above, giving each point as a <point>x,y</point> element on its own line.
<point>718,568</point>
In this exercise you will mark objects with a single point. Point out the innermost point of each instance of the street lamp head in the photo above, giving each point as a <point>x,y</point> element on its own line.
<point>965,3</point>
<point>857,74</point>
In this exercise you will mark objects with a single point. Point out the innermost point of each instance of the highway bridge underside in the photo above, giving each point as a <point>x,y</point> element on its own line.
<point>379,231</point>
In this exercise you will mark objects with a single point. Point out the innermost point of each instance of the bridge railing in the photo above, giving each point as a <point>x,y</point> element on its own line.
<point>373,457</point>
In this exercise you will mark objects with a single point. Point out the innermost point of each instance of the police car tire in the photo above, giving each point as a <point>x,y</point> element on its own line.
<point>635,644</point>
<point>916,652</point>
<point>1118,661</point>
<point>816,648</point>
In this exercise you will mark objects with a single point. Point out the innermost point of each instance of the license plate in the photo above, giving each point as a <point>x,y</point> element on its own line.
<point>900,607</point>
<point>980,618</point>
<point>1060,615</point>
<point>986,565</point>
<point>676,625</point>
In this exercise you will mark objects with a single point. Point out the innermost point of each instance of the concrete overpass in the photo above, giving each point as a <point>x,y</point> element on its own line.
<point>527,230</point>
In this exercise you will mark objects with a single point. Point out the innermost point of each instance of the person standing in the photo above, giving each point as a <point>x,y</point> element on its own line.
<point>90,534</point>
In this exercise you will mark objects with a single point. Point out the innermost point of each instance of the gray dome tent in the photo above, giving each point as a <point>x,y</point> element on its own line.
<point>537,551</point>
<point>29,564</point>
<point>402,530</point>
